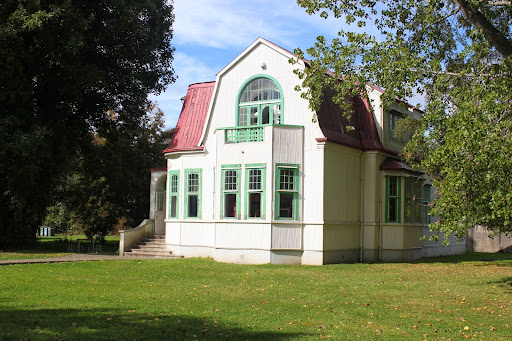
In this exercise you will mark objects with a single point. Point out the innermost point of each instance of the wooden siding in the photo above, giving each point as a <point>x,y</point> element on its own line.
<point>286,237</point>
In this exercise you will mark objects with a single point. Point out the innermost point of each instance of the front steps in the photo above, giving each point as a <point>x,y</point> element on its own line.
<point>152,247</point>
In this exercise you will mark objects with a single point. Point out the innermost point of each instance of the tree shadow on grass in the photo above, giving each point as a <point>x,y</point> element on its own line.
<point>485,258</point>
<point>505,282</point>
<point>94,324</point>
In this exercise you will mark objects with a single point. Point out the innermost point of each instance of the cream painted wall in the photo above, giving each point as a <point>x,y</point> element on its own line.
<point>342,184</point>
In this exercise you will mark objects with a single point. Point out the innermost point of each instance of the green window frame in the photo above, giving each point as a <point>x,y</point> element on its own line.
<point>393,199</point>
<point>287,192</point>
<point>193,189</point>
<point>260,102</point>
<point>393,117</point>
<point>255,191</point>
<point>174,194</point>
<point>230,203</point>
<point>426,201</point>
<point>413,200</point>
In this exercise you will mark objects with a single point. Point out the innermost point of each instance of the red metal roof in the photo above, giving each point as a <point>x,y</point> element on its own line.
<point>334,125</point>
<point>192,118</point>
<point>395,164</point>
<point>157,169</point>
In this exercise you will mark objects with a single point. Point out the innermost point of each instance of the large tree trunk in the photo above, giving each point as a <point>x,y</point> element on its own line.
<point>491,33</point>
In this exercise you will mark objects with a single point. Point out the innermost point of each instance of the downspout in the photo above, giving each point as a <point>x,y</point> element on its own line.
<point>361,203</point>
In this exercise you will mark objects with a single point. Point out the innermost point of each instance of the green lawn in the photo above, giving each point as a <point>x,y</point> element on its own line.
<point>196,299</point>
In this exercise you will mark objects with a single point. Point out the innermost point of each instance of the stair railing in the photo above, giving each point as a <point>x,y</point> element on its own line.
<point>128,238</point>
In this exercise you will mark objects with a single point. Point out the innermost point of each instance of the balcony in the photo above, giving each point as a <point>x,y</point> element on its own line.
<point>243,134</point>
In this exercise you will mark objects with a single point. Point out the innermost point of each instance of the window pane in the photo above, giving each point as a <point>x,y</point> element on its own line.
<point>230,183</point>
<point>277,114</point>
<point>408,210</point>
<point>174,202</point>
<point>230,205</point>
<point>265,112</point>
<point>254,115</point>
<point>255,205</point>
<point>392,209</point>
<point>160,199</point>
<point>193,182</point>
<point>286,179</point>
<point>286,205</point>
<point>276,93</point>
<point>242,116</point>
<point>192,205</point>
<point>174,183</point>
<point>260,89</point>
<point>245,96</point>
<point>255,179</point>
<point>392,186</point>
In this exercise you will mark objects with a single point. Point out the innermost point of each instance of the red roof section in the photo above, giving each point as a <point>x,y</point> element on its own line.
<point>334,125</point>
<point>394,164</point>
<point>192,118</point>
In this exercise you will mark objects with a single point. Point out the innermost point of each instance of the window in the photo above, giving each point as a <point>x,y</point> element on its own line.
<point>413,200</point>
<point>393,199</point>
<point>193,193</point>
<point>426,201</point>
<point>394,116</point>
<point>260,102</point>
<point>174,178</point>
<point>287,191</point>
<point>160,196</point>
<point>255,189</point>
<point>230,191</point>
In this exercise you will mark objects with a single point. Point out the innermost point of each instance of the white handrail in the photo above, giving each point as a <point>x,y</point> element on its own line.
<point>128,238</point>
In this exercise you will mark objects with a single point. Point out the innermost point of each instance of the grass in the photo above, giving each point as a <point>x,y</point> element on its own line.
<point>57,246</point>
<point>196,299</point>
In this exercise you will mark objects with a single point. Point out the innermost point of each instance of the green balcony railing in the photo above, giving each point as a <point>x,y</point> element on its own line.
<point>244,134</point>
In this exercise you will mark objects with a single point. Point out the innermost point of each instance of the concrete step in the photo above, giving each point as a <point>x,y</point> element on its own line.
<point>153,246</point>
<point>148,255</point>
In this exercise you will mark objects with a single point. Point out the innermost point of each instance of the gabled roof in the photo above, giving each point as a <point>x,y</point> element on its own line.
<point>192,119</point>
<point>334,125</point>
<point>256,43</point>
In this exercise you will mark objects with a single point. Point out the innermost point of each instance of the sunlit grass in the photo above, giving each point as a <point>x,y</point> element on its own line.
<point>191,299</point>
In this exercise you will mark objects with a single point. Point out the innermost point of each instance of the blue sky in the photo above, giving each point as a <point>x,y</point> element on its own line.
<point>208,34</point>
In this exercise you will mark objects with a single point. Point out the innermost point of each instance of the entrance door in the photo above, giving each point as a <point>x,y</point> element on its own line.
<point>160,209</point>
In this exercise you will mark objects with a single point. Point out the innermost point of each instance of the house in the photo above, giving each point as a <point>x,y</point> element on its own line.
<point>251,178</point>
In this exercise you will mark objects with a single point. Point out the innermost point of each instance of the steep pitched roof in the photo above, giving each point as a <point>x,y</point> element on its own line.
<point>334,125</point>
<point>190,125</point>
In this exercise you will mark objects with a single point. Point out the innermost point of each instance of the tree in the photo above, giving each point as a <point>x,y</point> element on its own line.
<point>111,183</point>
<point>63,66</point>
<point>456,53</point>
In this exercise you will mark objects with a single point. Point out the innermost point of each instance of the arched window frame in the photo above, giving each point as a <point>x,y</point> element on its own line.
<point>258,104</point>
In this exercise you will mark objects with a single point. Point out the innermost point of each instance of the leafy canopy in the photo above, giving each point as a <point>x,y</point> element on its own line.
<point>63,66</point>
<point>458,55</point>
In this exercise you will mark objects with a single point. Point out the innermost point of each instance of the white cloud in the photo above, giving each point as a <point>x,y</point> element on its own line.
<point>227,24</point>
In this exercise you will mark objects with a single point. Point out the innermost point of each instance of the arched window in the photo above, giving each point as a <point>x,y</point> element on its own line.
<point>260,102</point>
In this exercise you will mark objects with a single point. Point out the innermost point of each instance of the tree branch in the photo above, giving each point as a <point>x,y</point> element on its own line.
<point>497,3</point>
<point>491,33</point>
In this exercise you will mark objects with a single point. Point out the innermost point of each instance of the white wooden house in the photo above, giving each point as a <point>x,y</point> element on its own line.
<point>251,179</point>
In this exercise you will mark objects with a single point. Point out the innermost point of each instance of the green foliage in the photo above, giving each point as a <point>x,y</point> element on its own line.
<point>58,218</point>
<point>198,299</point>
<point>110,187</point>
<point>458,55</point>
<point>63,65</point>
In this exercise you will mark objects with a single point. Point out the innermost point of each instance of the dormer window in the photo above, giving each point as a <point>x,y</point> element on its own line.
<point>260,102</point>
<point>394,116</point>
